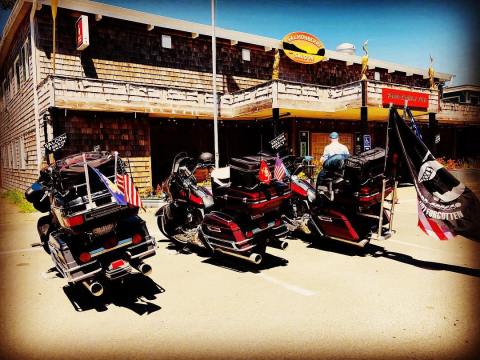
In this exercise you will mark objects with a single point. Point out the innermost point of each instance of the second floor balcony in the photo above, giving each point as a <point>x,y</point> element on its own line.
<point>294,99</point>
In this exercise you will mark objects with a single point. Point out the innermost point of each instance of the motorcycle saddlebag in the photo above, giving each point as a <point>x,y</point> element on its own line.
<point>263,199</point>
<point>244,170</point>
<point>359,168</point>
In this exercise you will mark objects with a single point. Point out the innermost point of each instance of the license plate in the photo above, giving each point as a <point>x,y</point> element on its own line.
<point>102,230</point>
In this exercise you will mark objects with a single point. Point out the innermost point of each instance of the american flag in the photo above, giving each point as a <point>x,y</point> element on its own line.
<point>125,185</point>
<point>279,171</point>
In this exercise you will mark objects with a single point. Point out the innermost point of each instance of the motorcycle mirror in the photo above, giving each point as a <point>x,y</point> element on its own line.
<point>206,157</point>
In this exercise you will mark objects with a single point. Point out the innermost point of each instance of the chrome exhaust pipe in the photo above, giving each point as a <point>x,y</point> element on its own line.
<point>95,288</point>
<point>145,269</point>
<point>253,257</point>
<point>282,245</point>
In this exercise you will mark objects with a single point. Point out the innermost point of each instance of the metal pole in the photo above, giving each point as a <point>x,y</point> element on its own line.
<point>87,180</point>
<point>214,86</point>
<point>380,219</point>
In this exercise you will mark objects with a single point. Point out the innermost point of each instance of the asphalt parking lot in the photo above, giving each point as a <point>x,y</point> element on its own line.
<point>407,297</point>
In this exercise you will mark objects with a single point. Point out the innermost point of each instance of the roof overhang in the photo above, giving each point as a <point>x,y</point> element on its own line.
<point>196,29</point>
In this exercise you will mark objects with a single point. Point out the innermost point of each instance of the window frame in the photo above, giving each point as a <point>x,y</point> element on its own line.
<point>17,73</point>
<point>26,58</point>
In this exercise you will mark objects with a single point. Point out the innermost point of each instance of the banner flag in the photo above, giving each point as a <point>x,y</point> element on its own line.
<point>117,195</point>
<point>264,175</point>
<point>446,207</point>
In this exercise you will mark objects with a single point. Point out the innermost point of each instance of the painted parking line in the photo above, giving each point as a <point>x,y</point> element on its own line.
<point>16,251</point>
<point>293,288</point>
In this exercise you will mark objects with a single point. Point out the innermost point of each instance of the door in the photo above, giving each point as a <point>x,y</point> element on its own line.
<point>320,140</point>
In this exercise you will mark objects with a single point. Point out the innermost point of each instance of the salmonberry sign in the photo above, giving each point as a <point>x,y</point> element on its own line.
<point>398,97</point>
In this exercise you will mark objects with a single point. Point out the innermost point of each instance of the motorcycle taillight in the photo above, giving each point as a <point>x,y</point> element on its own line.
<point>72,221</point>
<point>136,239</point>
<point>364,190</point>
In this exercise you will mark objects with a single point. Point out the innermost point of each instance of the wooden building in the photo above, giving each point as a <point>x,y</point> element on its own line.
<point>143,87</point>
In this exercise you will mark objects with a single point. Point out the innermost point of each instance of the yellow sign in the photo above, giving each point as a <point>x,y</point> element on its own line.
<point>303,48</point>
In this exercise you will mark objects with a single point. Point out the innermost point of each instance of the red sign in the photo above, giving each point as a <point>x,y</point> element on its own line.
<point>398,97</point>
<point>83,39</point>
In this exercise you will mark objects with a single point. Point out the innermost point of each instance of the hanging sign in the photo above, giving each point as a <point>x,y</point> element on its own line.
<point>279,141</point>
<point>398,97</point>
<point>57,143</point>
<point>303,48</point>
<point>83,36</point>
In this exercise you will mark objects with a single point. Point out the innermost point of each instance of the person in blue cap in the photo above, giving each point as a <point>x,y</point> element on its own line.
<point>334,150</point>
<point>333,157</point>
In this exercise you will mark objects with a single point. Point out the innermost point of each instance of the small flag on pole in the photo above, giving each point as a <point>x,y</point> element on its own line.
<point>126,185</point>
<point>280,171</point>
<point>264,175</point>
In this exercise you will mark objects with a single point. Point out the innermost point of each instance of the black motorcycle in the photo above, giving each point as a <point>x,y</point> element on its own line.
<point>235,219</point>
<point>88,234</point>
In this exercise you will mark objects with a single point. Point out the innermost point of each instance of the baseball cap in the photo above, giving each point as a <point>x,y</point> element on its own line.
<point>333,135</point>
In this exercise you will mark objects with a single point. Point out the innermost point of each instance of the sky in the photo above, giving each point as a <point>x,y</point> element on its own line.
<point>401,31</point>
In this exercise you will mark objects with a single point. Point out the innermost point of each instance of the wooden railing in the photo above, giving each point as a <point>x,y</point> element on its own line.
<point>110,95</point>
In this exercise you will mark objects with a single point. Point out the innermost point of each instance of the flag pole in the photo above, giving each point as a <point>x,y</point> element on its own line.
<point>115,173</point>
<point>54,5</point>
<point>214,87</point>
<point>87,180</point>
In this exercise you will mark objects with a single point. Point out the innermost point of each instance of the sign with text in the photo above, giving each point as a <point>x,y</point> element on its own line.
<point>279,141</point>
<point>367,142</point>
<point>57,143</point>
<point>303,48</point>
<point>83,36</point>
<point>398,97</point>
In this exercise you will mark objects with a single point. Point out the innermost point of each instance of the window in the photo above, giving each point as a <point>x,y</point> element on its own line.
<point>377,75</point>
<point>23,157</point>
<point>26,59</point>
<point>4,157</point>
<point>166,41</point>
<point>14,153</point>
<point>245,54</point>
<point>18,68</point>
<point>11,80</point>
<point>10,156</point>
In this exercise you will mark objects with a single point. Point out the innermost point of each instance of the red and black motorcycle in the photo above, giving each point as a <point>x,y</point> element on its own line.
<point>239,218</point>
<point>347,202</point>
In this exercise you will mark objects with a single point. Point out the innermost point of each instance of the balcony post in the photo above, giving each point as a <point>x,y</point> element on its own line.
<point>433,131</point>
<point>364,115</point>
<point>275,120</point>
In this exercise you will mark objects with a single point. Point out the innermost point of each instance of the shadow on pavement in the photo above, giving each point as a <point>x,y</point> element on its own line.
<point>269,261</point>
<point>135,293</point>
<point>429,265</point>
<point>378,251</point>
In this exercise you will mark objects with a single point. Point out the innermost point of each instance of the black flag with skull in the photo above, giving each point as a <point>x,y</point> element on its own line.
<point>446,207</point>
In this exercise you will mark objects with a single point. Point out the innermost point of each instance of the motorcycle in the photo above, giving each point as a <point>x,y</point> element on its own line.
<point>347,202</point>
<point>296,211</point>
<point>349,206</point>
<point>233,219</point>
<point>89,236</point>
